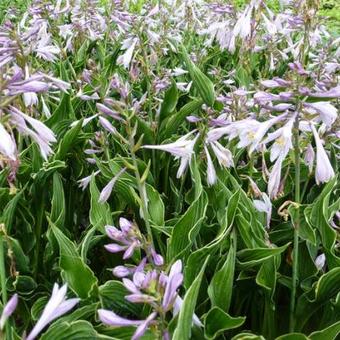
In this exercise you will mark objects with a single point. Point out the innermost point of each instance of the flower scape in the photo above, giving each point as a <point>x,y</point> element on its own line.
<point>169,170</point>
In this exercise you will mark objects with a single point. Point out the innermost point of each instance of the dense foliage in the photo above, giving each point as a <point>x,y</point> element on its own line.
<point>169,170</point>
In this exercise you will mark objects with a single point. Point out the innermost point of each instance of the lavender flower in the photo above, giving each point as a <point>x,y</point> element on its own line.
<point>55,307</point>
<point>8,310</point>
<point>265,206</point>
<point>324,171</point>
<point>183,149</point>
<point>7,145</point>
<point>157,289</point>
<point>106,192</point>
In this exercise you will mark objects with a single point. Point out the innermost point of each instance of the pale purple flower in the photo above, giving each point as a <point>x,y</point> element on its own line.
<point>34,86</point>
<point>106,192</point>
<point>106,110</point>
<point>323,171</point>
<point>283,140</point>
<point>84,182</point>
<point>8,310</point>
<point>40,133</point>
<point>211,172</point>
<point>183,149</point>
<point>157,258</point>
<point>127,237</point>
<point>128,45</point>
<point>320,261</point>
<point>174,281</point>
<point>55,307</point>
<point>275,178</point>
<point>253,135</point>
<point>107,125</point>
<point>7,144</point>
<point>112,319</point>
<point>177,307</point>
<point>265,206</point>
<point>121,271</point>
<point>141,329</point>
<point>328,113</point>
<point>332,93</point>
<point>309,157</point>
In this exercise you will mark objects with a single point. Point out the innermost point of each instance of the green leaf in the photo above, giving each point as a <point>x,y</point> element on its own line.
<point>203,84</point>
<point>100,214</point>
<point>328,285</point>
<point>77,330</point>
<point>293,336</point>
<point>76,273</point>
<point>112,296</point>
<point>155,205</point>
<point>248,258</point>
<point>306,231</point>
<point>221,286</point>
<point>330,332</point>
<point>247,336</point>
<point>186,229</point>
<point>171,125</point>
<point>58,201</point>
<point>318,215</point>
<point>183,329</point>
<point>68,141</point>
<point>169,102</point>
<point>217,322</point>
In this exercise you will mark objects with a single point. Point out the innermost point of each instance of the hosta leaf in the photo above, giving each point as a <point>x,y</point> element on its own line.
<point>85,312</point>
<point>76,273</point>
<point>187,227</point>
<point>24,285</point>
<point>196,258</point>
<point>266,276</point>
<point>77,330</point>
<point>248,258</point>
<point>217,322</point>
<point>328,285</point>
<point>247,336</point>
<point>21,259</point>
<point>68,141</point>
<point>169,102</point>
<point>221,286</point>
<point>170,125</point>
<point>38,307</point>
<point>184,324</point>
<point>100,212</point>
<point>112,296</point>
<point>58,201</point>
<point>330,332</point>
<point>9,212</point>
<point>155,205</point>
<point>293,336</point>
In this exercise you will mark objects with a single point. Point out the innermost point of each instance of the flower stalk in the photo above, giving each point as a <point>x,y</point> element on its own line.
<point>295,274</point>
<point>140,183</point>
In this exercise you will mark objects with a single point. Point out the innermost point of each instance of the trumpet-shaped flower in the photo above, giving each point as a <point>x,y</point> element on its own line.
<point>55,307</point>
<point>8,310</point>
<point>323,171</point>
<point>265,206</point>
<point>211,172</point>
<point>183,149</point>
<point>106,192</point>
<point>7,145</point>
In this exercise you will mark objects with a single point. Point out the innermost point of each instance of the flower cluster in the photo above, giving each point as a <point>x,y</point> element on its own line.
<point>149,284</point>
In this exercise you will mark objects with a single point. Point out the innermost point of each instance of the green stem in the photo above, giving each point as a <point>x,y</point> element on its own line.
<point>40,216</point>
<point>296,224</point>
<point>3,269</point>
<point>142,190</point>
